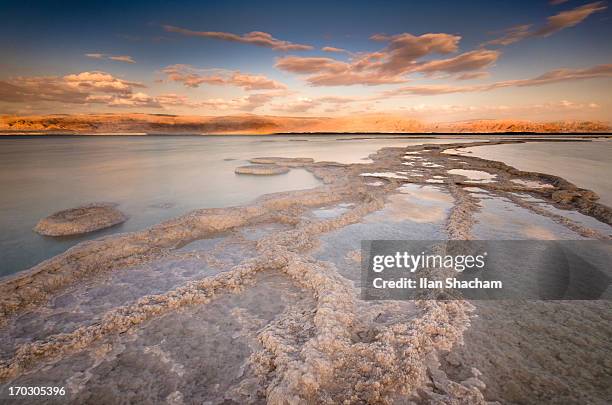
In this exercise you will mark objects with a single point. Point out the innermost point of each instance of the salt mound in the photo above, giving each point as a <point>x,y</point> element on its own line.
<point>79,220</point>
<point>261,170</point>
<point>282,161</point>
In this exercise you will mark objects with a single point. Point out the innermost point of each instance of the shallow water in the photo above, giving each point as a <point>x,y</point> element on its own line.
<point>474,176</point>
<point>586,164</point>
<point>153,178</point>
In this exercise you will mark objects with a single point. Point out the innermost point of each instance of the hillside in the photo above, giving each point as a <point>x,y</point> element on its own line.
<point>254,124</point>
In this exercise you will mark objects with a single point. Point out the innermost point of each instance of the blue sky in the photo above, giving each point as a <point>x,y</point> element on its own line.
<point>52,39</point>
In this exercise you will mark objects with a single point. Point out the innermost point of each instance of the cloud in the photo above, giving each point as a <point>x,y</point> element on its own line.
<point>553,76</point>
<point>561,75</point>
<point>192,77</point>
<point>95,55</point>
<point>555,23</point>
<point>567,19</point>
<point>335,50</point>
<point>404,49</point>
<point>119,58</point>
<point>557,2</point>
<point>512,35</point>
<point>391,64</point>
<point>245,103</point>
<point>80,88</point>
<point>122,58</point>
<point>463,111</point>
<point>296,64</point>
<point>331,72</point>
<point>469,61</point>
<point>257,38</point>
<point>301,105</point>
<point>473,75</point>
<point>141,100</point>
<point>95,88</point>
<point>306,104</point>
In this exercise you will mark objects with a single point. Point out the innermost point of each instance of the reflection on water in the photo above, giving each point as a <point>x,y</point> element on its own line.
<point>500,219</point>
<point>474,176</point>
<point>152,179</point>
<point>586,164</point>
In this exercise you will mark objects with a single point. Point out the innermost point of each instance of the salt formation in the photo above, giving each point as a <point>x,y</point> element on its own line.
<point>262,170</point>
<point>79,220</point>
<point>282,161</point>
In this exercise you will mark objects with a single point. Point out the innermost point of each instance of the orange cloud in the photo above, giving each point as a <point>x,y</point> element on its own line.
<point>555,23</point>
<point>301,105</point>
<point>335,50</point>
<point>192,77</point>
<point>570,18</point>
<point>81,88</point>
<point>391,64</point>
<point>473,75</point>
<point>120,58</point>
<point>91,88</point>
<point>257,38</point>
<point>245,103</point>
<point>296,64</point>
<point>468,61</point>
<point>554,76</point>
<point>404,49</point>
<point>305,104</point>
<point>331,72</point>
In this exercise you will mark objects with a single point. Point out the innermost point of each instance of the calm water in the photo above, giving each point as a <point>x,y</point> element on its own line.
<point>586,164</point>
<point>152,179</point>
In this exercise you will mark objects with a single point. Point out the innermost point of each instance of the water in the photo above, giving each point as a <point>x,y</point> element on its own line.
<point>586,164</point>
<point>153,178</point>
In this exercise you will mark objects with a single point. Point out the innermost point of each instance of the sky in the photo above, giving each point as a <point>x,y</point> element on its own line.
<point>435,61</point>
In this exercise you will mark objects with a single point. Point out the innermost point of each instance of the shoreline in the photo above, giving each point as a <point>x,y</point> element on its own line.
<point>410,135</point>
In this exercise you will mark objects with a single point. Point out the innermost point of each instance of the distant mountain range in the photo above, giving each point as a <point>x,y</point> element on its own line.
<point>126,124</point>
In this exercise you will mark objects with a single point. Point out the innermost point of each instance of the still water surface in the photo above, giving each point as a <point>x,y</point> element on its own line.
<point>586,164</point>
<point>152,178</point>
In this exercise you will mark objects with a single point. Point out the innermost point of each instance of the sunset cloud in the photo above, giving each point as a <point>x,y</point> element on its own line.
<point>119,58</point>
<point>141,100</point>
<point>331,72</point>
<point>555,23</point>
<point>192,77</point>
<point>404,49</point>
<point>246,103</point>
<point>301,105</point>
<point>469,61</point>
<point>306,104</point>
<point>122,58</point>
<point>78,88</point>
<point>570,18</point>
<point>257,38</point>
<point>553,76</point>
<point>101,88</point>
<point>550,110</point>
<point>95,55</point>
<point>391,64</point>
<point>473,75</point>
<point>333,49</point>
